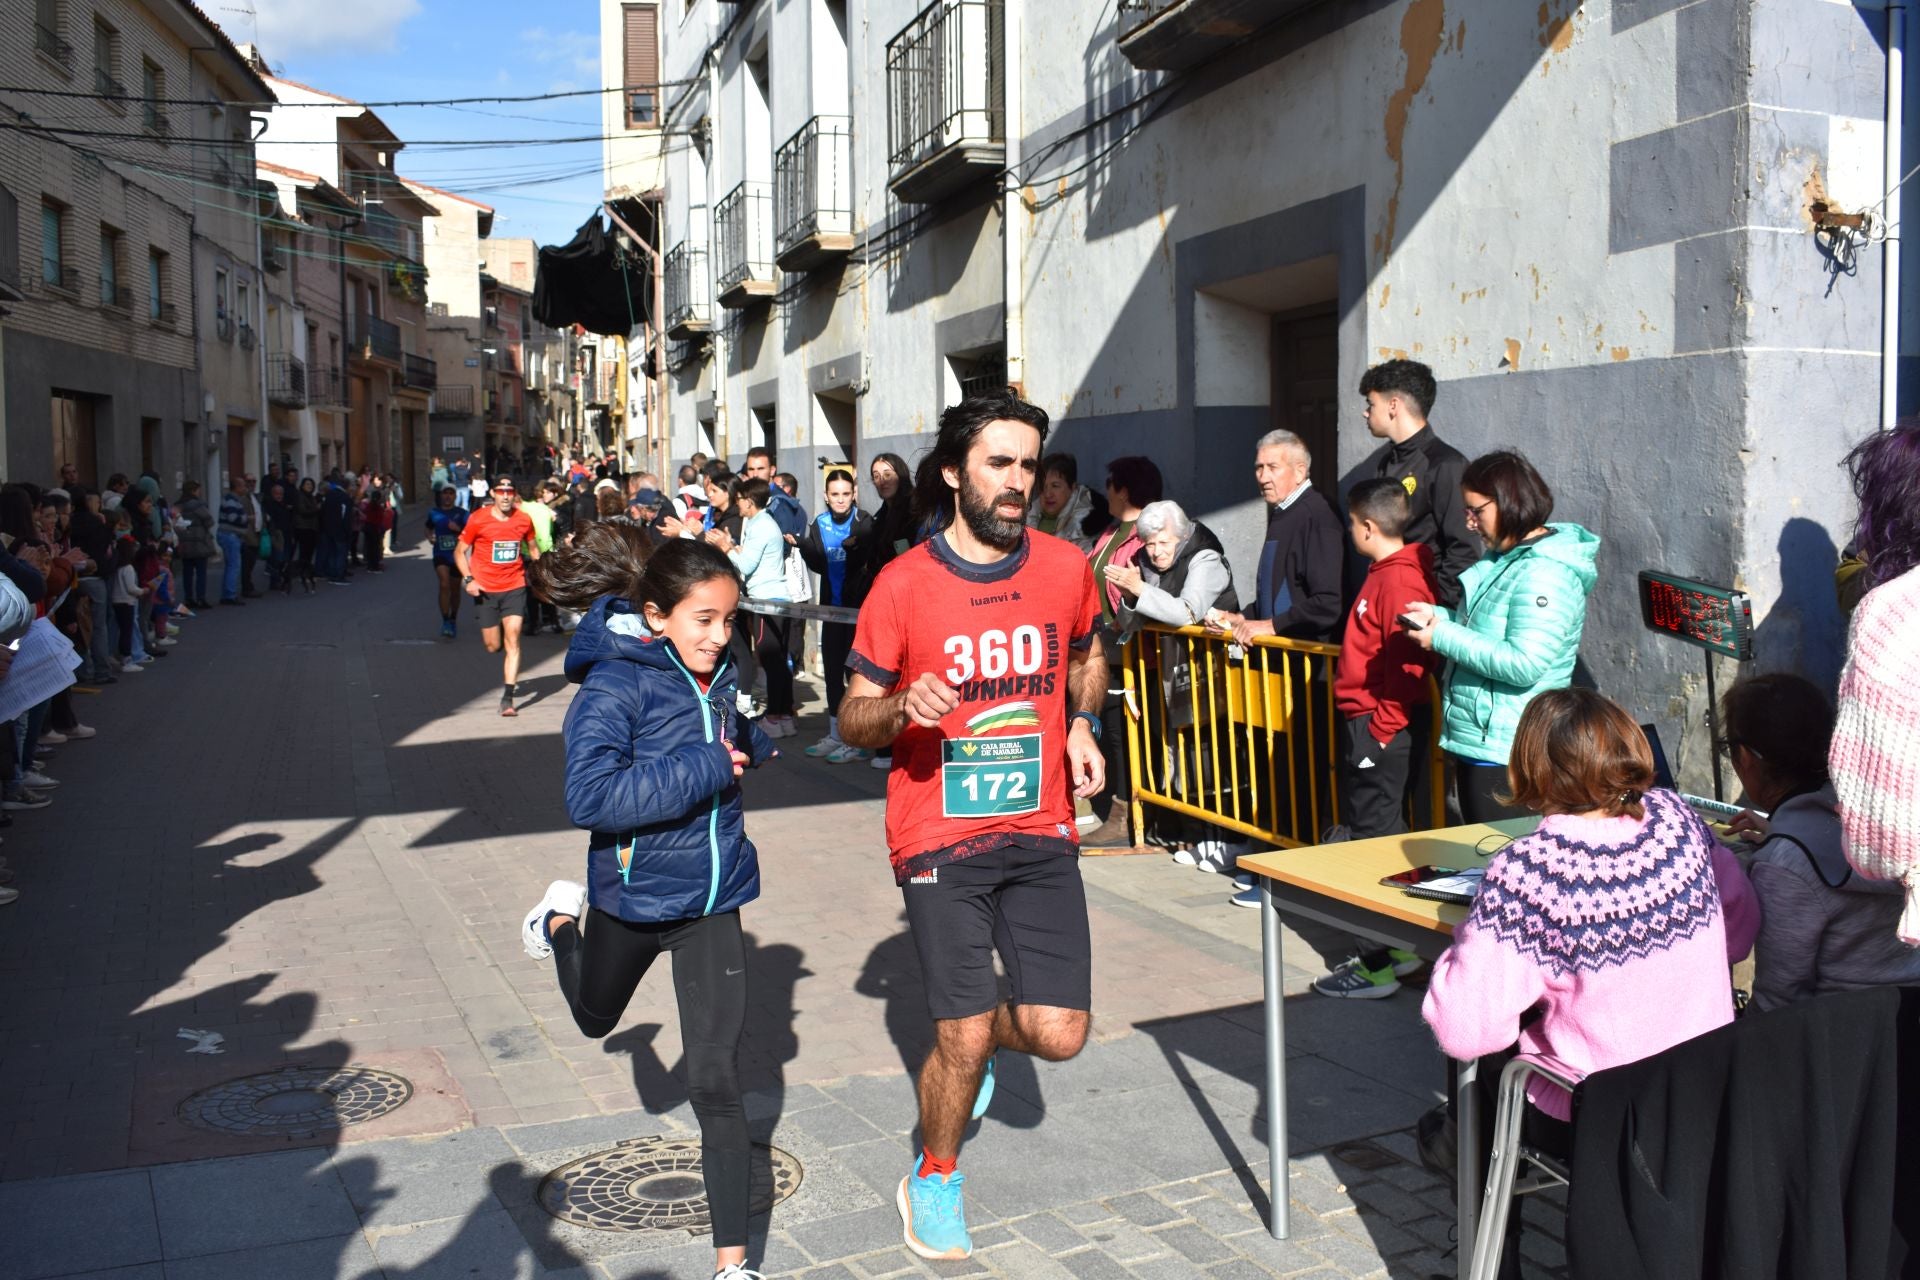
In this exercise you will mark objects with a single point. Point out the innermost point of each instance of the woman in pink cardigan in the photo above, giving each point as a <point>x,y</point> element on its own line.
<point>1605,936</point>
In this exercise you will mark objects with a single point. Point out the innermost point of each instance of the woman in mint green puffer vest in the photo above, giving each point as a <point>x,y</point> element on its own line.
<point>1516,632</point>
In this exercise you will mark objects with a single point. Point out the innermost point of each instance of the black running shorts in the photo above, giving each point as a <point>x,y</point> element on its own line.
<point>1026,904</point>
<point>492,606</point>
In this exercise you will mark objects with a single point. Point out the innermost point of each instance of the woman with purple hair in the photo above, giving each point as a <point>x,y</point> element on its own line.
<point>1875,759</point>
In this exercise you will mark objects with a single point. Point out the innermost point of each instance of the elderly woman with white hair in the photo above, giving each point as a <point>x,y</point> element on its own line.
<point>1180,576</point>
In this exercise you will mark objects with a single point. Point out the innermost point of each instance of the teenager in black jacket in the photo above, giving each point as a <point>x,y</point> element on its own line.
<point>836,544</point>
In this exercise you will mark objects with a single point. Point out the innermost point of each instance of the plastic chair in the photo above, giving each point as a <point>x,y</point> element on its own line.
<point>1504,1159</point>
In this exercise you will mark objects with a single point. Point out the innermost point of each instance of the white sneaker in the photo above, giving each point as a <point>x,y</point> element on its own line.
<point>881,762</point>
<point>563,897</point>
<point>780,726</point>
<point>131,668</point>
<point>827,746</point>
<point>849,755</point>
<point>52,738</point>
<point>38,781</point>
<point>1186,857</point>
<point>165,642</point>
<point>81,731</point>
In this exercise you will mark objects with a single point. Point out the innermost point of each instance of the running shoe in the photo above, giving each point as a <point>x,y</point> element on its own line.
<point>131,668</point>
<point>181,611</point>
<point>933,1219</point>
<point>52,738</point>
<point>1351,982</point>
<point>827,746</point>
<point>166,642</point>
<point>25,799</point>
<point>506,705</point>
<point>563,897</point>
<point>985,1096</point>
<point>881,762</point>
<point>38,781</point>
<point>848,755</point>
<point>453,626</point>
<point>8,895</point>
<point>1404,962</point>
<point>734,1271</point>
<point>81,731</point>
<point>446,628</point>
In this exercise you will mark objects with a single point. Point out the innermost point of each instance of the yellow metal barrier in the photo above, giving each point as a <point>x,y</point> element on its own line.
<point>1244,738</point>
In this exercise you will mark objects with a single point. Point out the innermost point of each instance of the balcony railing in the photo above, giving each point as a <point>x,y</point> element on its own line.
<point>744,221</point>
<point>813,194</point>
<point>452,402</point>
<point>946,99</point>
<point>376,339</point>
<point>689,302</point>
<point>326,387</point>
<point>223,326</point>
<point>420,372</point>
<point>49,42</point>
<point>287,381</point>
<point>271,259</point>
<point>246,336</point>
<point>107,87</point>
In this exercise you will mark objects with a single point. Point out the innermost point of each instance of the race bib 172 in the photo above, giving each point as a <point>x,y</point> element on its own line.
<point>990,777</point>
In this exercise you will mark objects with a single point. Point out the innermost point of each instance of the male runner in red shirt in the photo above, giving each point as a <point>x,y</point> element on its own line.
<point>975,658</point>
<point>496,576</point>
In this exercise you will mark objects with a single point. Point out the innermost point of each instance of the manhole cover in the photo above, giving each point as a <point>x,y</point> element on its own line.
<point>308,644</point>
<point>1365,1155</point>
<point>299,1102</point>
<point>654,1184</point>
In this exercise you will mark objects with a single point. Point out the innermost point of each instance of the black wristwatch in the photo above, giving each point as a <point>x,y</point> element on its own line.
<point>1093,722</point>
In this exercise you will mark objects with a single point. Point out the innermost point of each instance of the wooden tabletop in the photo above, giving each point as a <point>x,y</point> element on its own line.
<point>1351,871</point>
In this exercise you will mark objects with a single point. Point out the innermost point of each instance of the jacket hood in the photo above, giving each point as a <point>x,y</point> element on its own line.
<point>1811,820</point>
<point>613,629</point>
<point>1572,545</point>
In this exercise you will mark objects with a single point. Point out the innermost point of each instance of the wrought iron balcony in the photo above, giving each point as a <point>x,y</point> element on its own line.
<point>287,381</point>
<point>48,41</point>
<point>420,372</point>
<point>246,336</point>
<point>223,326</point>
<point>452,401</point>
<point>813,195</point>
<point>946,99</point>
<point>376,339</point>
<point>271,259</point>
<point>689,304</point>
<point>107,87</point>
<point>326,388</point>
<point>1169,35</point>
<point>744,221</point>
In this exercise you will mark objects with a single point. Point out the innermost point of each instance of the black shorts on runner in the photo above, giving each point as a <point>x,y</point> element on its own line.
<point>492,606</point>
<point>1026,904</point>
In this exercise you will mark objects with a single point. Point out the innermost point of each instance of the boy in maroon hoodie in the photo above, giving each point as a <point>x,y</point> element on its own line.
<point>1380,688</point>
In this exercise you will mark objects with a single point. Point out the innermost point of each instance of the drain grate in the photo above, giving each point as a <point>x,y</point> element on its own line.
<point>297,1102</point>
<point>654,1184</point>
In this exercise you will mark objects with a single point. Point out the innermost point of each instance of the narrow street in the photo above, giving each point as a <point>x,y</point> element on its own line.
<point>308,831</point>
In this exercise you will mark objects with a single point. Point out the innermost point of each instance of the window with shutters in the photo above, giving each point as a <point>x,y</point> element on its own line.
<point>642,30</point>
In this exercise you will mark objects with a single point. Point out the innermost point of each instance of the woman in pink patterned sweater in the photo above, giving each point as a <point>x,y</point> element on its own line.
<point>1614,922</point>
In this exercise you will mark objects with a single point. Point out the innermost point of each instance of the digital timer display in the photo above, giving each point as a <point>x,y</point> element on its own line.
<point>1715,618</point>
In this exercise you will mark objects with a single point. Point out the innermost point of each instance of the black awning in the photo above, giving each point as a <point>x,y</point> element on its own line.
<point>592,282</point>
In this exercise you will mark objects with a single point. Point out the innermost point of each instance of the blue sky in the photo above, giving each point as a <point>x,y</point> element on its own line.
<point>374,50</point>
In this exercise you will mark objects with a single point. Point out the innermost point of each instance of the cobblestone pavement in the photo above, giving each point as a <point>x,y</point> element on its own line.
<point>308,831</point>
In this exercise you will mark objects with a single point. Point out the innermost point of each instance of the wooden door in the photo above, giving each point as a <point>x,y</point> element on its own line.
<point>74,437</point>
<point>1306,388</point>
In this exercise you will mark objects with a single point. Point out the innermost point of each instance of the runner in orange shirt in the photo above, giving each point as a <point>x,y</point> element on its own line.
<point>491,558</point>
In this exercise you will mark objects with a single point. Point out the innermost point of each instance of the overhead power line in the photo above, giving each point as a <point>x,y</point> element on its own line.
<point>338,102</point>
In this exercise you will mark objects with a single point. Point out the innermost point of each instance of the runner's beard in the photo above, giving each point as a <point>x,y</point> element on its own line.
<point>985,522</point>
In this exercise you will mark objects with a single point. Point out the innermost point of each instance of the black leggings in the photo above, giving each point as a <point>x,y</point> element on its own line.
<point>836,642</point>
<point>598,974</point>
<point>769,637</point>
<point>1475,784</point>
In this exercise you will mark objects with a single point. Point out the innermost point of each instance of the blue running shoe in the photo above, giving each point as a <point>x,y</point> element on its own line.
<point>985,1096</point>
<point>446,628</point>
<point>934,1220</point>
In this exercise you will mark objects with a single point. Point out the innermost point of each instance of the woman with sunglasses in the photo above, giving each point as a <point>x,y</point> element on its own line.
<point>1516,631</point>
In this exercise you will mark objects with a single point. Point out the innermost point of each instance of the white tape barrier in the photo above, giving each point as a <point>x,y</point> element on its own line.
<point>796,609</point>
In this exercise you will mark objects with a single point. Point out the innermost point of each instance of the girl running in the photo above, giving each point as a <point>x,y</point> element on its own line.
<point>654,748</point>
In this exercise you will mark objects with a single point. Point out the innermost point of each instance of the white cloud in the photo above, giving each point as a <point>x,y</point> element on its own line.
<point>570,58</point>
<point>291,29</point>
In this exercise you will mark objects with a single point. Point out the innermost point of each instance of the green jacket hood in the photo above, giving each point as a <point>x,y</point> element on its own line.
<point>1574,546</point>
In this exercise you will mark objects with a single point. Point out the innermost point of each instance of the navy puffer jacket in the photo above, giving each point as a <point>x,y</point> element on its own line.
<point>648,774</point>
